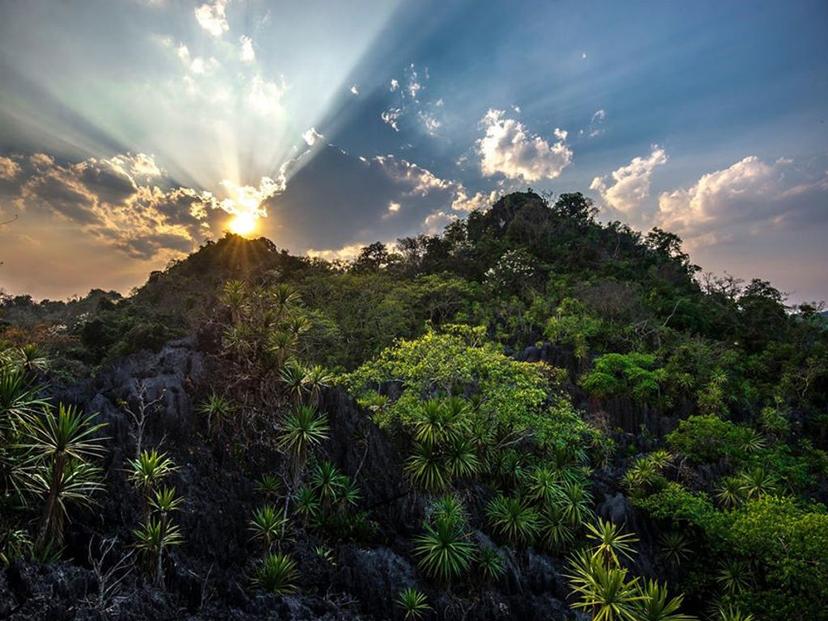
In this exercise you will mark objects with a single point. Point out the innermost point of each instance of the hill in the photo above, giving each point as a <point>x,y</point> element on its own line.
<point>495,422</point>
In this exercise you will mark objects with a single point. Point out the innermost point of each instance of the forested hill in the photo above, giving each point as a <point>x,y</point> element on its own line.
<point>531,414</point>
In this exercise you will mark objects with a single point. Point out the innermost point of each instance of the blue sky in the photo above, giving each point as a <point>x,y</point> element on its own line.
<point>135,130</point>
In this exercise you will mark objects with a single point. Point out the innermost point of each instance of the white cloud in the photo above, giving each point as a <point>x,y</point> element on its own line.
<point>748,195</point>
<point>311,136</point>
<point>391,117</point>
<point>583,55</point>
<point>434,223</point>
<point>247,199</point>
<point>596,124</point>
<point>354,89</point>
<point>630,184</point>
<point>508,148</point>
<point>346,253</point>
<point>395,84</point>
<point>212,17</point>
<point>430,123</point>
<point>393,207</point>
<point>265,97</point>
<point>248,54</point>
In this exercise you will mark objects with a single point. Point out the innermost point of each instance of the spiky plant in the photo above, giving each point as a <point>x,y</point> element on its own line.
<point>731,613</point>
<point>14,544</point>
<point>757,482</point>
<point>58,447</point>
<point>448,507</point>
<point>461,458</point>
<point>439,421</point>
<point>19,400</point>
<point>576,504</point>
<point>307,504</point>
<point>31,359</point>
<point>414,604</point>
<point>734,577</point>
<point>293,377</point>
<point>149,469</point>
<point>657,605</point>
<point>325,553</point>
<point>302,431</point>
<point>217,409</point>
<point>543,486</point>
<point>443,550</point>
<point>269,485</point>
<point>164,501</point>
<point>491,564</point>
<point>234,296</point>
<point>673,548</point>
<point>555,531</point>
<point>328,482</point>
<point>730,493</point>
<point>426,468</point>
<point>316,379</point>
<point>152,538</point>
<point>514,519</point>
<point>276,573</point>
<point>609,542</point>
<point>603,590</point>
<point>269,525</point>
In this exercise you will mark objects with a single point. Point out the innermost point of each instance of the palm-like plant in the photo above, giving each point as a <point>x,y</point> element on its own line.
<point>609,542</point>
<point>673,547</point>
<point>152,538</point>
<point>19,400</point>
<point>734,577</point>
<point>514,519</point>
<point>316,379</point>
<point>269,525</point>
<point>234,296</point>
<point>757,482</point>
<point>293,376</point>
<point>307,504</point>
<point>438,421</point>
<point>149,469</point>
<point>269,485</point>
<point>302,431</point>
<point>730,493</point>
<point>732,614</point>
<point>603,590</point>
<point>461,458</point>
<point>164,501</point>
<point>413,603</point>
<point>426,467</point>
<point>449,508</point>
<point>555,531</point>
<point>544,486</point>
<point>657,605</point>
<point>443,551</point>
<point>491,564</point>
<point>276,573</point>
<point>57,447</point>
<point>216,408</point>
<point>31,359</point>
<point>576,504</point>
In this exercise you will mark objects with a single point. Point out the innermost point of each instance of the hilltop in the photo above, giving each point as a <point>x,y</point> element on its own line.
<point>553,402</point>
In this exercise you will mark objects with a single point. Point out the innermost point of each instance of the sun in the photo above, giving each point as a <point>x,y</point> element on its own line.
<point>243,223</point>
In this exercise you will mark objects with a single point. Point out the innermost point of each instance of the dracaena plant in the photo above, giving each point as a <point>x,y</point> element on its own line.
<point>60,449</point>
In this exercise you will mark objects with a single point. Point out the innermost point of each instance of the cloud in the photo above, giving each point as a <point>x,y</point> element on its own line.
<point>354,89</point>
<point>596,123</point>
<point>395,84</point>
<point>430,123</point>
<point>247,54</point>
<point>334,199</point>
<point>434,223</point>
<point>748,196</point>
<point>630,184</point>
<point>508,148</point>
<point>111,200</point>
<point>212,17</point>
<point>311,136</point>
<point>391,117</point>
<point>8,168</point>
<point>265,96</point>
<point>346,253</point>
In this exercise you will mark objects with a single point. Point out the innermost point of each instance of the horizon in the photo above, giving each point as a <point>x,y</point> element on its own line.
<point>132,132</point>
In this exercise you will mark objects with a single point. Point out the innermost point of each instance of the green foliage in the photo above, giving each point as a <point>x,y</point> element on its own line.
<point>444,551</point>
<point>276,573</point>
<point>513,519</point>
<point>705,439</point>
<point>414,603</point>
<point>625,375</point>
<point>608,542</point>
<point>302,430</point>
<point>269,525</point>
<point>603,590</point>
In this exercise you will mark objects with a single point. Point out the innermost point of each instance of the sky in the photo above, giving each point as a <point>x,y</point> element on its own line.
<point>132,131</point>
